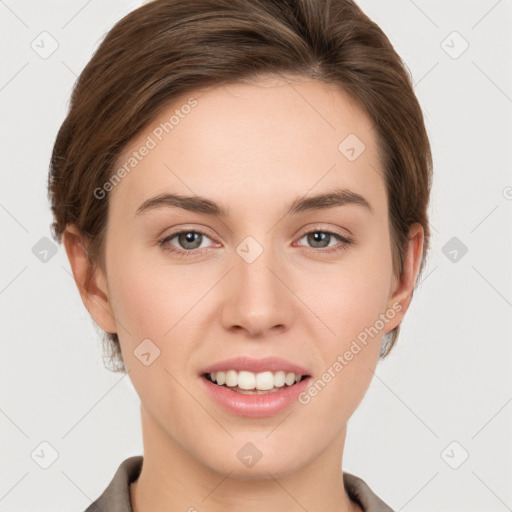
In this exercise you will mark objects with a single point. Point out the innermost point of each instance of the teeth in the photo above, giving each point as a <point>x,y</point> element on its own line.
<point>263,381</point>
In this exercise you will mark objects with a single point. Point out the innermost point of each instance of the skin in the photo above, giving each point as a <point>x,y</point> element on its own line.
<point>254,148</point>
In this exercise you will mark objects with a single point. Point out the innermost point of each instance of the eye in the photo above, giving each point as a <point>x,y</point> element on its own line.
<point>190,240</point>
<point>320,239</point>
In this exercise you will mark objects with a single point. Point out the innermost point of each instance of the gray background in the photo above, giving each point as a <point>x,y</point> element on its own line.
<point>445,391</point>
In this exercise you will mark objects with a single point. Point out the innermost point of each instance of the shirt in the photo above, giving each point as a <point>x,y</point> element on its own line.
<point>116,497</point>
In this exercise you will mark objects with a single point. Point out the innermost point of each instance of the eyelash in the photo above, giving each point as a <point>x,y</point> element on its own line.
<point>345,242</point>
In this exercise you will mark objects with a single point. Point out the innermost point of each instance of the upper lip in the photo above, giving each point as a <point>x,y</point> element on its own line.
<point>272,364</point>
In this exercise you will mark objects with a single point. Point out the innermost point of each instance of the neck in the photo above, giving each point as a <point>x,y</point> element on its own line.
<point>172,480</point>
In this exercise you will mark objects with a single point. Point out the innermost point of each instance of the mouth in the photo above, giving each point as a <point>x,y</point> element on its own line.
<point>250,383</point>
<point>255,387</point>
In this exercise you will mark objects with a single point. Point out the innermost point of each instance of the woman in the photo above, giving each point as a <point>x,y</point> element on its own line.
<point>242,190</point>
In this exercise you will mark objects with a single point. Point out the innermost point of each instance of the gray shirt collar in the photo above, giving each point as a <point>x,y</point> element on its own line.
<point>116,497</point>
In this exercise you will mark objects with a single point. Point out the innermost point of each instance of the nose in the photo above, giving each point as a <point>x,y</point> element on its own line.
<point>258,298</point>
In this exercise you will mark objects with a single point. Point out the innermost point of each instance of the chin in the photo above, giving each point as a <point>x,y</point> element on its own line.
<point>251,463</point>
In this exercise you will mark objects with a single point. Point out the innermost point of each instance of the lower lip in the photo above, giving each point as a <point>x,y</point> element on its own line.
<point>255,406</point>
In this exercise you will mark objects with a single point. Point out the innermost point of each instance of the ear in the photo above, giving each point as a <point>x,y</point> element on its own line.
<point>90,280</point>
<point>402,289</point>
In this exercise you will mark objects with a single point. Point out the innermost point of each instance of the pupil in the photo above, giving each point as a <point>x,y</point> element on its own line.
<point>319,236</point>
<point>189,239</point>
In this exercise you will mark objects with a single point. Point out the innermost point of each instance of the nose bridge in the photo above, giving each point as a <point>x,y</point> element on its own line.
<point>257,297</point>
<point>253,261</point>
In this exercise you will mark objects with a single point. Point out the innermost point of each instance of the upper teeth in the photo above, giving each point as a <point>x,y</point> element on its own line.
<point>249,380</point>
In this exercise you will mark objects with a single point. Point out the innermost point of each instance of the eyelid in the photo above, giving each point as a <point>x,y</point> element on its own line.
<point>205,231</point>
<point>174,230</point>
<point>343,240</point>
<point>327,229</point>
<point>164,241</point>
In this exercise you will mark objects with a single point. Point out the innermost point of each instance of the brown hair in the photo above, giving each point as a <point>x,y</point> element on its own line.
<point>167,48</point>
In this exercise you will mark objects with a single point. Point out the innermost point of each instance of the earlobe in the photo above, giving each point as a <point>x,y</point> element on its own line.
<point>90,279</point>
<point>403,288</point>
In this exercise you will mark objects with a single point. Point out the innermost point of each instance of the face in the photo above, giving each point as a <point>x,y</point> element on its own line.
<point>312,285</point>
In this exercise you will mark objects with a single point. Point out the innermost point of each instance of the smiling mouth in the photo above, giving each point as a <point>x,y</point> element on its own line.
<point>249,383</point>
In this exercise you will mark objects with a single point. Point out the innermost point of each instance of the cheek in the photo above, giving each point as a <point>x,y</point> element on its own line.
<point>148,298</point>
<point>348,357</point>
<point>155,302</point>
<point>357,304</point>
<point>351,295</point>
<point>151,303</point>
<point>352,303</point>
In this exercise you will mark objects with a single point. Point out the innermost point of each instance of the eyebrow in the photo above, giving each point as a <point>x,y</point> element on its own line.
<point>332,199</point>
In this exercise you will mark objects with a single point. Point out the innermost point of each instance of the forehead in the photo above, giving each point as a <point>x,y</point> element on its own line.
<point>252,140</point>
